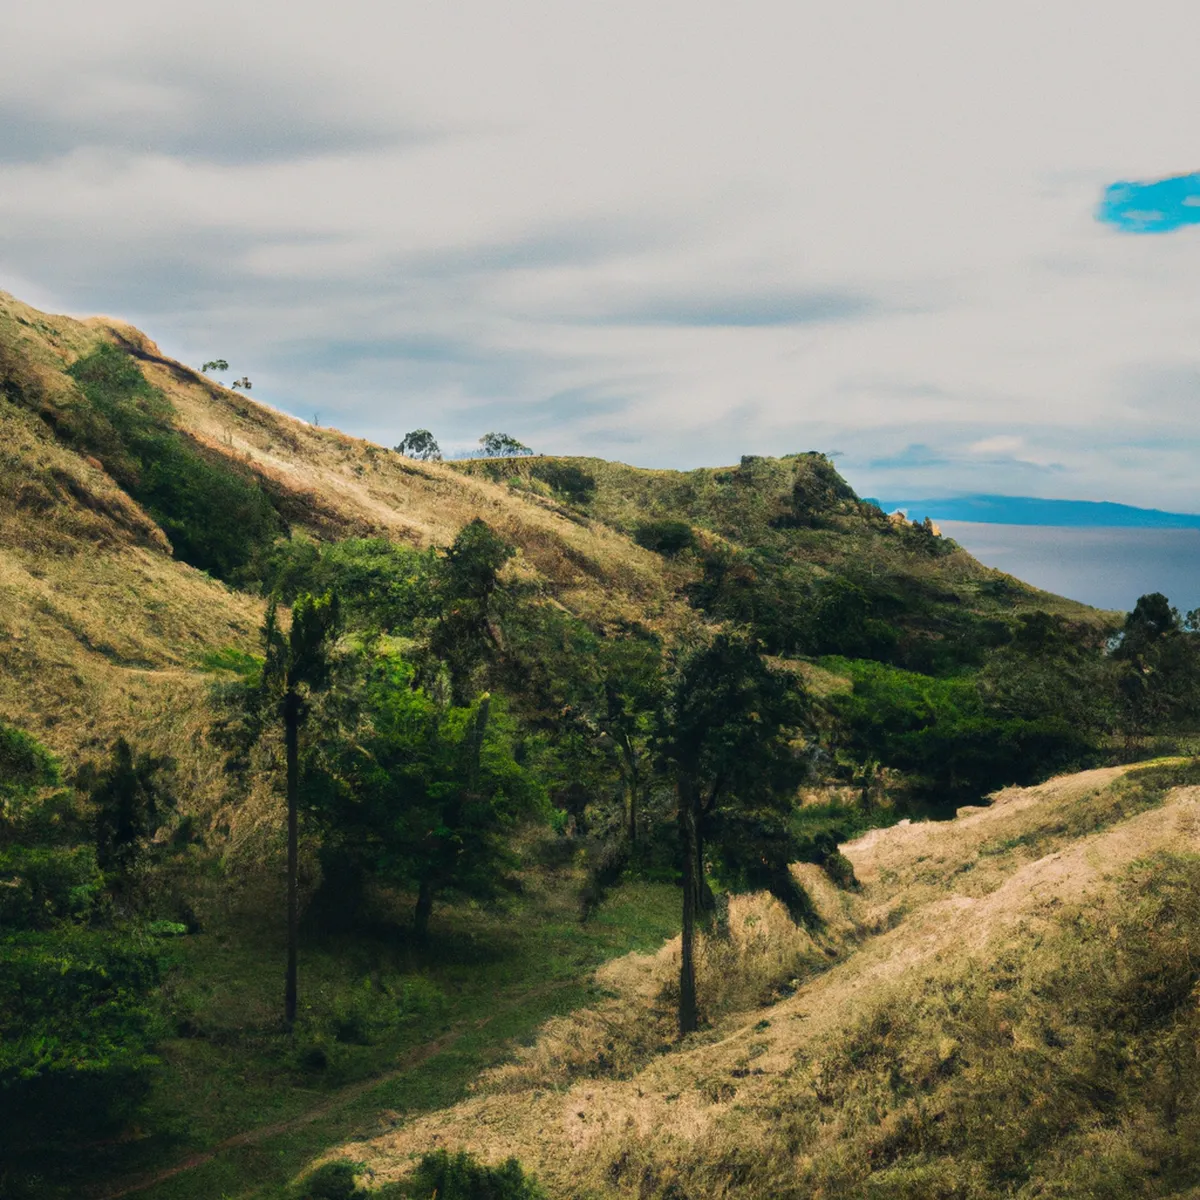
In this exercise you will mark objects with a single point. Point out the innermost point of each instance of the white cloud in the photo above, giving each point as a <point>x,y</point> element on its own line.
<point>749,228</point>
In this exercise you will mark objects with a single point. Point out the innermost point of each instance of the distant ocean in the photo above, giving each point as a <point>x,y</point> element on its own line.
<point>1105,567</point>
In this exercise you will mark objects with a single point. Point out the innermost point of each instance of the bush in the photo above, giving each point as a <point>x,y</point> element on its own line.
<point>572,483</point>
<point>462,1177</point>
<point>24,764</point>
<point>667,538</point>
<point>75,1035</point>
<point>333,1181</point>
<point>41,885</point>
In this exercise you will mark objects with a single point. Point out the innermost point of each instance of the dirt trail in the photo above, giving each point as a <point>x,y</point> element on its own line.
<point>339,1099</point>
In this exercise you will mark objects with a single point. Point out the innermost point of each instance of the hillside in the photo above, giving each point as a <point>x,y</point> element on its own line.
<point>1006,1006</point>
<point>103,630</point>
<point>499,699</point>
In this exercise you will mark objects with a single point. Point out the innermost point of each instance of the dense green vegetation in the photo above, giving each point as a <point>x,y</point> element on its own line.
<point>215,515</point>
<point>77,1020</point>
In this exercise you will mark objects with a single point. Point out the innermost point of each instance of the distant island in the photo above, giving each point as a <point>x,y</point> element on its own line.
<point>1032,510</point>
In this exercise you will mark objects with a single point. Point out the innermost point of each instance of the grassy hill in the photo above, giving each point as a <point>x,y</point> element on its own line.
<point>145,512</point>
<point>104,628</point>
<point>1006,1006</point>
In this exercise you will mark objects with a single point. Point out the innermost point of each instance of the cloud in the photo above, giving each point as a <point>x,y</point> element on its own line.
<point>197,111</point>
<point>1160,206</point>
<point>911,456</point>
<point>675,237</point>
<point>747,310</point>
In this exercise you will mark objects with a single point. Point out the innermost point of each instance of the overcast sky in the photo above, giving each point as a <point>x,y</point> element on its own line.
<point>671,233</point>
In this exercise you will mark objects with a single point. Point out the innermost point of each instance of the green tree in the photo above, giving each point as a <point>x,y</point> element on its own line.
<point>502,445</point>
<point>420,443</point>
<point>423,796</point>
<point>462,637</point>
<point>633,688</point>
<point>1158,682</point>
<point>130,801</point>
<point>297,665</point>
<point>726,738</point>
<point>215,364</point>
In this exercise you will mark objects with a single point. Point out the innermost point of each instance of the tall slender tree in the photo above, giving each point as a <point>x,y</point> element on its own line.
<point>726,737</point>
<point>297,665</point>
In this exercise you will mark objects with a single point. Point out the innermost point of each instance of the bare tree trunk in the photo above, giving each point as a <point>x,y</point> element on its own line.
<point>634,783</point>
<point>706,902</point>
<point>423,910</point>
<point>689,1016</point>
<point>291,719</point>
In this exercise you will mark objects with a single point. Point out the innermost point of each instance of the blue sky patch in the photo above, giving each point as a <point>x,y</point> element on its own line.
<point>1156,207</point>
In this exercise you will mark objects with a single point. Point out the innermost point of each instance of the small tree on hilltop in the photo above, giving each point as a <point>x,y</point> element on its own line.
<point>726,734</point>
<point>502,445</point>
<point>420,443</point>
<point>215,364</point>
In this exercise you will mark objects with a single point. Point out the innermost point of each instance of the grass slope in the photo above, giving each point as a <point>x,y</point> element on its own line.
<point>1010,1010</point>
<point>797,511</point>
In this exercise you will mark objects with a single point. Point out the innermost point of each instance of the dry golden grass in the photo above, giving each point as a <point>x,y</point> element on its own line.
<point>101,630</point>
<point>939,902</point>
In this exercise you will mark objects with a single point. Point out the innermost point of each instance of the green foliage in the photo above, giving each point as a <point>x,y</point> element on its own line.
<point>1157,658</point>
<point>216,515</point>
<point>422,796</point>
<point>231,659</point>
<point>420,443</point>
<point>215,364</point>
<point>502,445</point>
<point>943,732</point>
<point>41,886</point>
<point>130,800</point>
<point>468,578</point>
<point>383,586</point>
<point>667,538</point>
<point>445,1176</point>
<point>569,481</point>
<point>25,764</point>
<point>726,738</point>
<point>76,1034</point>
<point>333,1181</point>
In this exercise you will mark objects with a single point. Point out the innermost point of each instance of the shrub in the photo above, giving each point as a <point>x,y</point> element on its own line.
<point>41,885</point>
<point>572,483</point>
<point>75,1035</point>
<point>462,1177</point>
<point>333,1181</point>
<point>667,538</point>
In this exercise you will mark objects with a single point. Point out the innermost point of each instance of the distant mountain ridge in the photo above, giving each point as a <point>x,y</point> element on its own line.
<point>1032,510</point>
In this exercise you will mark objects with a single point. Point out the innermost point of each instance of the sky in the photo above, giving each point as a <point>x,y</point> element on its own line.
<point>910,235</point>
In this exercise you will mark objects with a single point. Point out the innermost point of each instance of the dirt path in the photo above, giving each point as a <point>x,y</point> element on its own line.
<point>339,1099</point>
